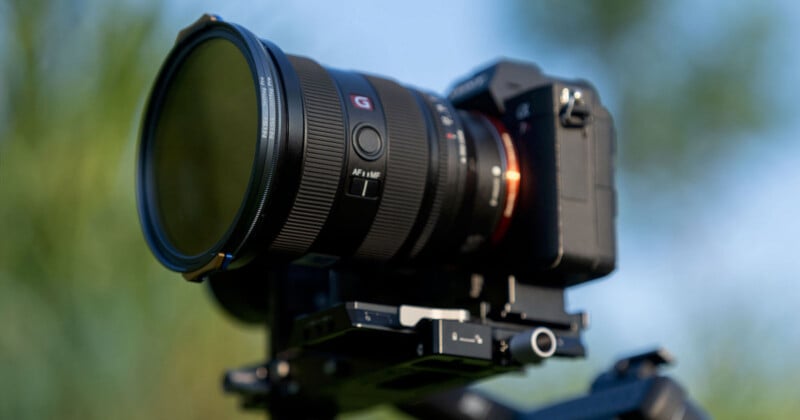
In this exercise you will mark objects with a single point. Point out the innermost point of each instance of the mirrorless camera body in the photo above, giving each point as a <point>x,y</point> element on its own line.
<point>563,231</point>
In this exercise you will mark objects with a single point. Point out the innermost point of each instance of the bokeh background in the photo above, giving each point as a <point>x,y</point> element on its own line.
<point>705,99</point>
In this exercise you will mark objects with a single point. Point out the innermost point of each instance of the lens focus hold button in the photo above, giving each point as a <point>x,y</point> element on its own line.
<point>368,143</point>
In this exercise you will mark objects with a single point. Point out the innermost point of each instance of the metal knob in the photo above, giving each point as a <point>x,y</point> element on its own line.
<point>533,346</point>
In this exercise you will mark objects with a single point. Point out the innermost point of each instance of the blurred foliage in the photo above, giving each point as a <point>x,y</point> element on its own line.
<point>682,94</point>
<point>91,326</point>
<point>686,83</point>
<point>744,373</point>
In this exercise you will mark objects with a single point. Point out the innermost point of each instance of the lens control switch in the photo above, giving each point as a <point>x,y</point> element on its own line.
<point>368,143</point>
<point>364,187</point>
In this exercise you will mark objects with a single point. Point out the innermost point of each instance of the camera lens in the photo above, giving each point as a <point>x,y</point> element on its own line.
<point>247,152</point>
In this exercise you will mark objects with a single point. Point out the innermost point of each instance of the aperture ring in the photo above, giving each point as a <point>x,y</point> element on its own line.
<point>322,160</point>
<point>406,172</point>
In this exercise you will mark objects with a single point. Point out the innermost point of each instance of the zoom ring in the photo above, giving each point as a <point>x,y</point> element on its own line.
<point>406,172</point>
<point>322,162</point>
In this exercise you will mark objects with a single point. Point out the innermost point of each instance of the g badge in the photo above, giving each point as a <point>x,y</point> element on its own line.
<point>361,102</point>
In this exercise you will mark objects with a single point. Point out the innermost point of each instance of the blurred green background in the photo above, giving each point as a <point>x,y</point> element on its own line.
<point>91,326</point>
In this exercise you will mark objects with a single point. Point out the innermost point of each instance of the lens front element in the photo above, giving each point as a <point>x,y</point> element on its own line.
<point>203,146</point>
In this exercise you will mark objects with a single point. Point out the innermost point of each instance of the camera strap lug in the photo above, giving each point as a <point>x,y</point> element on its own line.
<point>574,110</point>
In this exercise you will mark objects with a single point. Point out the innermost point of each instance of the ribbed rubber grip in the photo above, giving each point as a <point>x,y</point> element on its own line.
<point>406,172</point>
<point>322,161</point>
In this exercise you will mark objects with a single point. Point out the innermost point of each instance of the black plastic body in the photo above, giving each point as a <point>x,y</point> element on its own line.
<point>566,214</point>
<point>563,230</point>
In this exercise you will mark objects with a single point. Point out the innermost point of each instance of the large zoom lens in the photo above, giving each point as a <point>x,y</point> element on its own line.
<point>248,152</point>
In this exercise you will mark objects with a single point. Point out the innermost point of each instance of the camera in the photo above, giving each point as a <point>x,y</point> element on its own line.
<point>396,242</point>
<point>247,153</point>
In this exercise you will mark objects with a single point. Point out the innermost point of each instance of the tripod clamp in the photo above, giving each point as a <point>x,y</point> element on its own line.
<point>352,355</point>
<point>353,351</point>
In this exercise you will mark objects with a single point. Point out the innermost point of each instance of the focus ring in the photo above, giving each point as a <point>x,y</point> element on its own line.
<point>406,172</point>
<point>322,161</point>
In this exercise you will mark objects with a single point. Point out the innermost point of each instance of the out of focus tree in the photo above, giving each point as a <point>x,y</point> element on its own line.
<point>89,326</point>
<point>687,83</point>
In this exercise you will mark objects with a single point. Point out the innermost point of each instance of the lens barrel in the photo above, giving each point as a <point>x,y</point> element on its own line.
<point>310,164</point>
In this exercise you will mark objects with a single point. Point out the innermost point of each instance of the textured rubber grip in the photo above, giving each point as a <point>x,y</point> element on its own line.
<point>322,161</point>
<point>406,172</point>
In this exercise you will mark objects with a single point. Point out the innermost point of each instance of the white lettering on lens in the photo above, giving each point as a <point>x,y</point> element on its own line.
<point>496,172</point>
<point>366,174</point>
<point>462,148</point>
<point>272,116</point>
<point>264,107</point>
<point>361,102</point>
